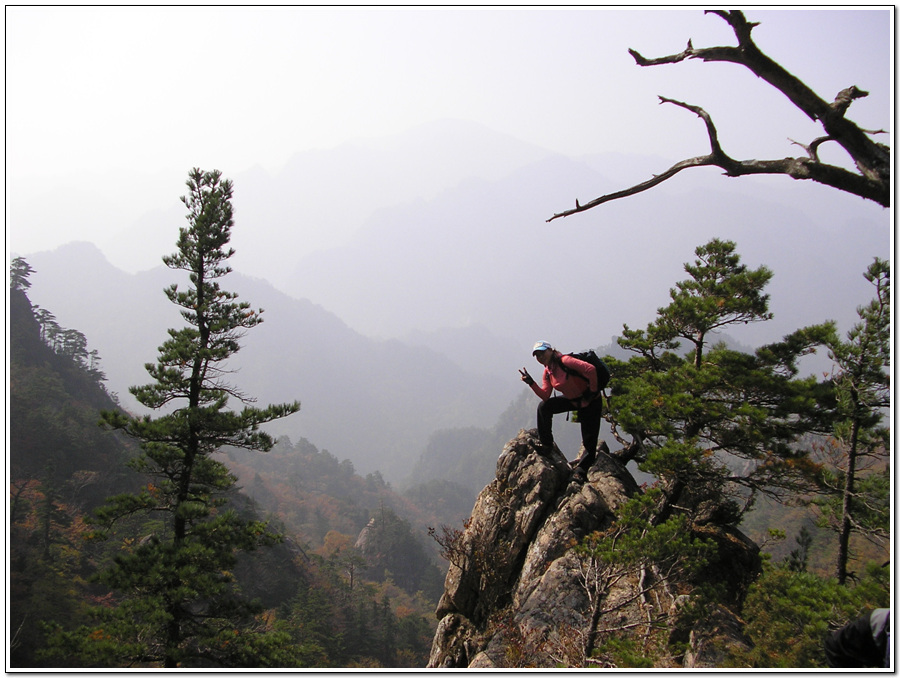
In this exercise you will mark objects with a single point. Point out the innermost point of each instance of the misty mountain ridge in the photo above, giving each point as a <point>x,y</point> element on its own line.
<point>449,272</point>
<point>373,402</point>
<point>321,197</point>
<point>482,254</point>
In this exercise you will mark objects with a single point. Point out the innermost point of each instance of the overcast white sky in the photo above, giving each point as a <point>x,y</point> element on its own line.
<point>164,89</point>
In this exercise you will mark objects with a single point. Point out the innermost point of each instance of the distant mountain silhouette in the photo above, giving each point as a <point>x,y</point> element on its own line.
<point>321,197</point>
<point>409,276</point>
<point>373,402</point>
<point>481,254</point>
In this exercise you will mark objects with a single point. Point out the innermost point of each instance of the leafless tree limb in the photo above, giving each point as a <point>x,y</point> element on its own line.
<point>872,160</point>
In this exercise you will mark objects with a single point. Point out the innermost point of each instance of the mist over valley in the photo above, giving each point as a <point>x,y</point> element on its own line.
<point>418,320</point>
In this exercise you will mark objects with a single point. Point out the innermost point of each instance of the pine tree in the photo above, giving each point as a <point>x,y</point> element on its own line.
<point>789,613</point>
<point>19,271</point>
<point>716,425</point>
<point>179,606</point>
<point>720,292</point>
<point>862,385</point>
<point>798,558</point>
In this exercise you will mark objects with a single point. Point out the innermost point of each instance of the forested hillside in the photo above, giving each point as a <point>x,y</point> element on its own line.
<point>327,602</point>
<point>61,466</point>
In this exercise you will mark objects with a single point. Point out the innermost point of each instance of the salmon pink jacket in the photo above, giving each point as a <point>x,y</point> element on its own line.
<point>555,377</point>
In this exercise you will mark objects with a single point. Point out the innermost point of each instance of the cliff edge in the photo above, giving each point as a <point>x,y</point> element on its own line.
<point>519,594</point>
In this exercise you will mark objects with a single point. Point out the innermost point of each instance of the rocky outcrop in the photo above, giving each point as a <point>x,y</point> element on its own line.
<point>519,594</point>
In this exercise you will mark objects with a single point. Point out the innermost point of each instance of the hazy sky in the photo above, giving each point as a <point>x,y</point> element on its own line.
<point>163,89</point>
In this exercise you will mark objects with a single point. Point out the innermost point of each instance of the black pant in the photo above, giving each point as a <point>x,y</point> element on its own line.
<point>589,417</point>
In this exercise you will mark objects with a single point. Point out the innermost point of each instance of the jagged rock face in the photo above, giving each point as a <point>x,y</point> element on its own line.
<point>363,541</point>
<point>517,594</point>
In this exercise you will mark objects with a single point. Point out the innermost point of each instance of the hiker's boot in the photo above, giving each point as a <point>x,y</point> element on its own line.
<point>544,449</point>
<point>576,463</point>
<point>585,461</point>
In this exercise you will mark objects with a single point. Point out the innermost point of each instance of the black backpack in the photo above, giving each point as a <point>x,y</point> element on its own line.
<point>589,356</point>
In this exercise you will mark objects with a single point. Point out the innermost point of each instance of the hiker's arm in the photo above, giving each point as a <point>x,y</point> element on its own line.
<point>586,369</point>
<point>543,392</point>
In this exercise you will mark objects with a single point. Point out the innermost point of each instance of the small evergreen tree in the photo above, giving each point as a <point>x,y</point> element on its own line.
<point>19,271</point>
<point>798,558</point>
<point>720,292</point>
<point>716,425</point>
<point>862,386</point>
<point>179,606</point>
<point>790,613</point>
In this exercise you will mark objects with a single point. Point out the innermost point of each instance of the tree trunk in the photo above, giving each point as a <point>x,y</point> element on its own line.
<point>844,538</point>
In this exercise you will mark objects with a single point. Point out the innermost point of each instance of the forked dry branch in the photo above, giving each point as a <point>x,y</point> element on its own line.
<point>872,159</point>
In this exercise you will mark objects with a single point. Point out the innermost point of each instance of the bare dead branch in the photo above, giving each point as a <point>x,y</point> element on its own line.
<point>716,148</point>
<point>872,159</point>
<point>845,97</point>
<point>812,149</point>
<point>650,183</point>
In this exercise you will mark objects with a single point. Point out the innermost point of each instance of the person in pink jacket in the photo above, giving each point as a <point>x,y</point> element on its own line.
<point>576,380</point>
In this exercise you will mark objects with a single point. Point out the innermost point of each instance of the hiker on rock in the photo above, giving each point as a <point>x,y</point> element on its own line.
<point>577,381</point>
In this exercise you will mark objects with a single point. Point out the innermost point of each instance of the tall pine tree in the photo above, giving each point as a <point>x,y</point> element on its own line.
<point>179,606</point>
<point>860,480</point>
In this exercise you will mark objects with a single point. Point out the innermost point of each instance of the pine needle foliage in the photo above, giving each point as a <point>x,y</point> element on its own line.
<point>860,499</point>
<point>718,422</point>
<point>178,604</point>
